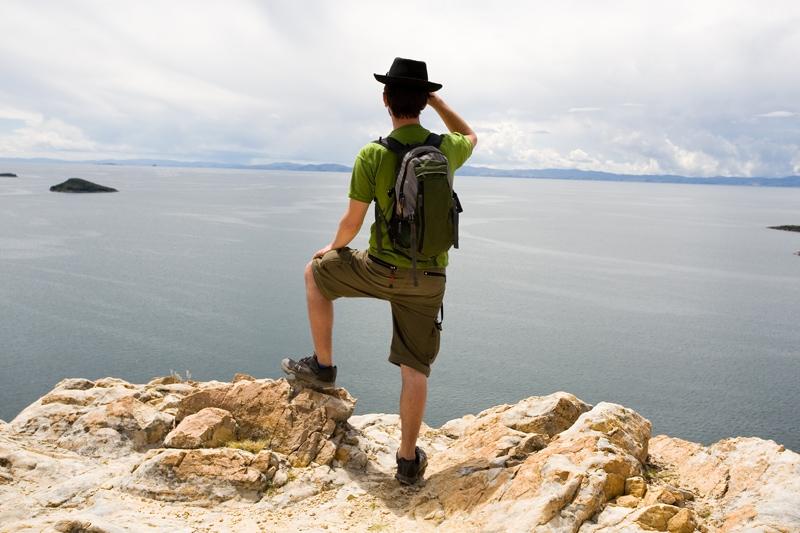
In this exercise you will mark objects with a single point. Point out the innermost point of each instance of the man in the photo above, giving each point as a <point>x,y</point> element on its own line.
<point>383,272</point>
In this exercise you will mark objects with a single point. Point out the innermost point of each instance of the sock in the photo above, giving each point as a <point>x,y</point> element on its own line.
<point>320,364</point>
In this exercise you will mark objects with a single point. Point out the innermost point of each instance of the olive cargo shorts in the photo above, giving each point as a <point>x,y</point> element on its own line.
<point>415,337</point>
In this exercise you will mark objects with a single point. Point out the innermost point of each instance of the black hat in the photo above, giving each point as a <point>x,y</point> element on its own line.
<point>409,73</point>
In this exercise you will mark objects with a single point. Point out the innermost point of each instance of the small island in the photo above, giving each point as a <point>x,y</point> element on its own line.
<point>786,228</point>
<point>7,175</point>
<point>80,185</point>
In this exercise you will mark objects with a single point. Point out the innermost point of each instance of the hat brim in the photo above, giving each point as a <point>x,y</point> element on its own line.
<point>409,82</point>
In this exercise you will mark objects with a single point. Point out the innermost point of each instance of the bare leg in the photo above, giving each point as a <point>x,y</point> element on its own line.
<point>412,406</point>
<point>320,319</point>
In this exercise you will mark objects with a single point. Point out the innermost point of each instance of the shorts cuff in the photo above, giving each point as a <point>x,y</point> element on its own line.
<point>409,362</point>
<point>318,280</point>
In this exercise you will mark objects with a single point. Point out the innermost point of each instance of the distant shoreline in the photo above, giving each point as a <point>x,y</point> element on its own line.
<point>489,172</point>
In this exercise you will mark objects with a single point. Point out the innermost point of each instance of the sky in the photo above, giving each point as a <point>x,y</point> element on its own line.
<point>700,88</point>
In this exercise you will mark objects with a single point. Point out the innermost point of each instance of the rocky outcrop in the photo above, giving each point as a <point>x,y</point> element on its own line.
<point>110,417</point>
<point>297,423</point>
<point>80,185</point>
<point>739,484</point>
<point>103,455</point>
<point>106,418</point>
<point>205,475</point>
<point>208,428</point>
<point>582,466</point>
<point>7,175</point>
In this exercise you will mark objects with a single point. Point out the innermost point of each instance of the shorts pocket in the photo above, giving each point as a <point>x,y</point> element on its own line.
<point>379,269</point>
<point>340,255</point>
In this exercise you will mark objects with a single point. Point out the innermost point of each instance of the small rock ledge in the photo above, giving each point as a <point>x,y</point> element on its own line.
<point>105,455</point>
<point>786,227</point>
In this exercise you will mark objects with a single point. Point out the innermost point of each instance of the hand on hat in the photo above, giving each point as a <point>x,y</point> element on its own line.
<point>450,118</point>
<point>434,100</point>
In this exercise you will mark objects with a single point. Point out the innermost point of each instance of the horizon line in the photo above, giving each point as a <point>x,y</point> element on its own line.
<point>471,170</point>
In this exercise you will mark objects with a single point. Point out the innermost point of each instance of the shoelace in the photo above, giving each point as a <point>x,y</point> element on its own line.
<point>307,361</point>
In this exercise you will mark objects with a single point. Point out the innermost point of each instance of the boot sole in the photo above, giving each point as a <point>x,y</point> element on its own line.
<point>418,480</point>
<point>309,381</point>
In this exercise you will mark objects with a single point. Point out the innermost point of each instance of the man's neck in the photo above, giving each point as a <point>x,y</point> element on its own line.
<point>400,122</point>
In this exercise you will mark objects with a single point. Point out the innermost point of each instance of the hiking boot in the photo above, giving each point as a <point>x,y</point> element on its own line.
<point>308,371</point>
<point>410,471</point>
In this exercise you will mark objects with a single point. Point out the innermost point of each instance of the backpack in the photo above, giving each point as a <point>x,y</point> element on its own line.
<point>424,213</point>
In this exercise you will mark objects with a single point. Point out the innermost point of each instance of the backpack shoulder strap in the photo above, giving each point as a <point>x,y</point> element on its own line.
<point>400,150</point>
<point>434,140</point>
<point>392,144</point>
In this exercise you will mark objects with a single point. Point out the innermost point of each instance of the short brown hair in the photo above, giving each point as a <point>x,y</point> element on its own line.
<point>405,101</point>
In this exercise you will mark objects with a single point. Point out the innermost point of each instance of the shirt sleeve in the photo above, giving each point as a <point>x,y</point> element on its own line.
<point>458,149</point>
<point>362,181</point>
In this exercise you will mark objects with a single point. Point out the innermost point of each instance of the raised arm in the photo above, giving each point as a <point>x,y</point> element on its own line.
<point>451,119</point>
<point>349,226</point>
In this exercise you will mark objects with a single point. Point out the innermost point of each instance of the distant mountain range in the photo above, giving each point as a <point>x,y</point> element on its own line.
<point>303,167</point>
<point>306,167</point>
<point>552,173</point>
<point>593,175</point>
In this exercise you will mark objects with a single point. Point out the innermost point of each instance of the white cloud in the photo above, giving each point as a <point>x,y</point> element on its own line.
<point>796,163</point>
<point>39,135</point>
<point>10,113</point>
<point>778,114</point>
<point>647,87</point>
<point>693,162</point>
<point>579,156</point>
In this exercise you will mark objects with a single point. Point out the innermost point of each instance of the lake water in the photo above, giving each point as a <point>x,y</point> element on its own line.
<point>674,300</point>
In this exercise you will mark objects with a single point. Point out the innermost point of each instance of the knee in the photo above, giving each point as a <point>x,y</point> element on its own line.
<point>308,275</point>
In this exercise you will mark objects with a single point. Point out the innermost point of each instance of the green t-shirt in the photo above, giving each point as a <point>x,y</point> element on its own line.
<point>374,176</point>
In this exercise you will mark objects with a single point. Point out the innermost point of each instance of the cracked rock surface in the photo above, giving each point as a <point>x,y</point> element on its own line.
<point>260,455</point>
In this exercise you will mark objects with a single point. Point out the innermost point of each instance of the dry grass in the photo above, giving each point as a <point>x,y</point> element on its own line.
<point>248,445</point>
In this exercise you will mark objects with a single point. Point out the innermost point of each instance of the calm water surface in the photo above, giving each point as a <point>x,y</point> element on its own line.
<point>674,300</point>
